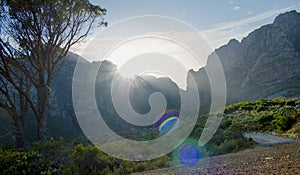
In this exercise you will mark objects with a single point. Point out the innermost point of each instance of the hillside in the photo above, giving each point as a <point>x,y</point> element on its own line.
<point>265,64</point>
<point>281,159</point>
<point>277,116</point>
<point>240,156</point>
<point>281,116</point>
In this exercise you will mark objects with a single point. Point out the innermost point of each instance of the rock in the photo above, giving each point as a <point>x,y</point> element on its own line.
<point>264,64</point>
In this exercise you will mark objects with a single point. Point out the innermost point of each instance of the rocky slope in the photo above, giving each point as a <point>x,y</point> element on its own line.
<point>140,90</point>
<point>264,64</point>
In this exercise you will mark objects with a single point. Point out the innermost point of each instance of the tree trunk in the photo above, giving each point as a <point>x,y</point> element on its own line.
<point>19,135</point>
<point>43,109</point>
<point>41,129</point>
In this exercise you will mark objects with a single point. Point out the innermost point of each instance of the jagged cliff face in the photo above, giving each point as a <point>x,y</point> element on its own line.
<point>140,90</point>
<point>264,64</point>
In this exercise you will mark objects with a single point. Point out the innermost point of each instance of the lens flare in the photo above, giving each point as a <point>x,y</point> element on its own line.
<point>166,121</point>
<point>189,155</point>
<point>167,124</point>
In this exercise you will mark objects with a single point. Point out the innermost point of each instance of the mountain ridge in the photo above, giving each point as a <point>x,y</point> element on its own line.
<point>264,63</point>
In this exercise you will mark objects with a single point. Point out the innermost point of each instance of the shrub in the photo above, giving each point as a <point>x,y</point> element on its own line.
<point>290,102</point>
<point>231,108</point>
<point>264,121</point>
<point>86,160</point>
<point>58,157</point>
<point>13,162</point>
<point>259,107</point>
<point>283,123</point>
<point>247,106</point>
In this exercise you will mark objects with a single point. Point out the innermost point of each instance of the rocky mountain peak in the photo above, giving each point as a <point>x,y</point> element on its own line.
<point>292,18</point>
<point>289,23</point>
<point>264,63</point>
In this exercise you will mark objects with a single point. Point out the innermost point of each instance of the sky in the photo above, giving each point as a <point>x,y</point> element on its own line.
<point>217,21</point>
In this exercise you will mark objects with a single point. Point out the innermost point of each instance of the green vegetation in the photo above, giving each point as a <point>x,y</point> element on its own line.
<point>278,116</point>
<point>268,116</point>
<point>38,53</point>
<point>62,157</point>
<point>227,139</point>
<point>79,157</point>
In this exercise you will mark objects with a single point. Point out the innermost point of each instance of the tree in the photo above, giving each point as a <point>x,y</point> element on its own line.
<point>41,33</point>
<point>15,104</point>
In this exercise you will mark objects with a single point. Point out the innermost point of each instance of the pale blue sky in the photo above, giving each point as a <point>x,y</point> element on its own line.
<point>199,13</point>
<point>217,21</point>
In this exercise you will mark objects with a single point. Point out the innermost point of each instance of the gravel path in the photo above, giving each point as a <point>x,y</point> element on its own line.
<point>279,159</point>
<point>268,139</point>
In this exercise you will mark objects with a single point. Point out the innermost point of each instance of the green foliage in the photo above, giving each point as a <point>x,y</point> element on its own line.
<point>230,139</point>
<point>283,123</point>
<point>246,106</point>
<point>13,162</point>
<point>231,109</point>
<point>264,121</point>
<point>276,115</point>
<point>290,102</point>
<point>85,160</point>
<point>61,157</point>
<point>259,107</point>
<point>226,123</point>
<point>47,28</point>
<point>227,139</point>
<point>18,162</point>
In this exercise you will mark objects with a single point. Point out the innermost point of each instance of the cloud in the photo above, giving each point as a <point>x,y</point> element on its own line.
<point>250,12</point>
<point>236,8</point>
<point>253,19</point>
<point>230,2</point>
<point>223,32</point>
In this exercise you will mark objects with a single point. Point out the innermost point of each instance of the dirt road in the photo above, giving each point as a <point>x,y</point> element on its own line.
<point>279,159</point>
<point>268,139</point>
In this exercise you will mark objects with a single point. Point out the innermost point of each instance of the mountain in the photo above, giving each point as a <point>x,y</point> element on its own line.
<point>265,64</point>
<point>140,90</point>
